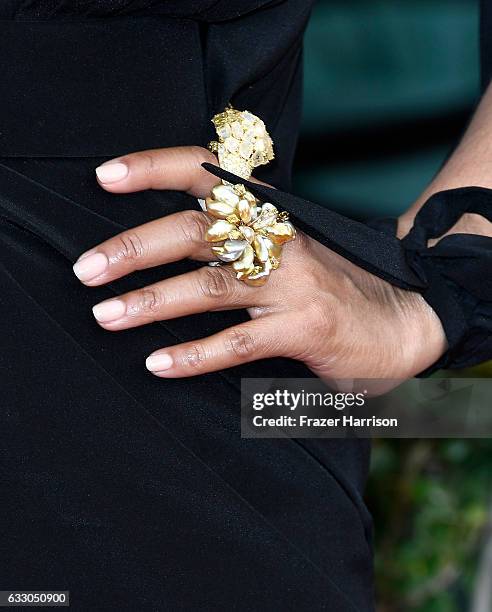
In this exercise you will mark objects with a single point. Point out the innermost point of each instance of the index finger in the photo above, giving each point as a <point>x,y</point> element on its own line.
<point>174,168</point>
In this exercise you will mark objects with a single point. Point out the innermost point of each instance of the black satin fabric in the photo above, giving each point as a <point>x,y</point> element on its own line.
<point>137,493</point>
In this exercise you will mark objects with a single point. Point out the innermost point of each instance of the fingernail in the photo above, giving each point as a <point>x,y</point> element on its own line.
<point>159,362</point>
<point>87,253</point>
<point>112,172</point>
<point>91,266</point>
<point>109,310</point>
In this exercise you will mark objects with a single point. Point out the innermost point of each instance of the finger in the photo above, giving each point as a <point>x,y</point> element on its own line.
<point>155,243</point>
<point>247,342</point>
<point>198,291</point>
<point>175,168</point>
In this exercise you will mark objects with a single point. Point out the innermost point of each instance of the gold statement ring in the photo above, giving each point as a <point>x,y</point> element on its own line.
<point>251,233</point>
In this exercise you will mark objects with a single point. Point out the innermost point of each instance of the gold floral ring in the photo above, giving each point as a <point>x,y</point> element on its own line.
<point>251,233</point>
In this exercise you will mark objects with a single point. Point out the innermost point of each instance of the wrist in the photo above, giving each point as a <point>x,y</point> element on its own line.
<point>426,340</point>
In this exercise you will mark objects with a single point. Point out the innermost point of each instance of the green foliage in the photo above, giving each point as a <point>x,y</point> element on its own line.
<point>430,501</point>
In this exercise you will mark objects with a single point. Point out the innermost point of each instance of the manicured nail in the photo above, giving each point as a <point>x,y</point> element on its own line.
<point>112,172</point>
<point>91,266</point>
<point>87,253</point>
<point>109,310</point>
<point>159,362</point>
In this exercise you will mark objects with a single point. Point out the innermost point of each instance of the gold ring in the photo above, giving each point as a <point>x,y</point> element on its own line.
<point>252,233</point>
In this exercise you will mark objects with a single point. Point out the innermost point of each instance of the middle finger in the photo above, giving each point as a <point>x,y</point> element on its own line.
<point>210,288</point>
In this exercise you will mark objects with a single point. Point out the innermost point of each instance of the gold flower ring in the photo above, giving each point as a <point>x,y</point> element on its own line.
<point>251,233</point>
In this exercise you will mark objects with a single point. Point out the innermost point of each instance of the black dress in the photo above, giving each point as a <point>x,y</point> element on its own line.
<point>137,493</point>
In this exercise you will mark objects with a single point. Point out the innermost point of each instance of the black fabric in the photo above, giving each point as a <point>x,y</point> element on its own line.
<point>92,86</point>
<point>368,248</point>
<point>207,10</point>
<point>126,488</point>
<point>453,276</point>
<point>89,90</point>
<point>457,268</point>
<point>137,493</point>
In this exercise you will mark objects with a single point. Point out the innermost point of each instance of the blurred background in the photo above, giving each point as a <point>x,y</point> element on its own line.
<point>389,88</point>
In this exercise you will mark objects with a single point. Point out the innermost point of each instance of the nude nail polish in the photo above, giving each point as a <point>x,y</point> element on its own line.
<point>159,362</point>
<point>90,266</point>
<point>87,253</point>
<point>111,310</point>
<point>112,172</point>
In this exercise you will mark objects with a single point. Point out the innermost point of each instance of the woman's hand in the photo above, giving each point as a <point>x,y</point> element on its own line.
<point>340,320</point>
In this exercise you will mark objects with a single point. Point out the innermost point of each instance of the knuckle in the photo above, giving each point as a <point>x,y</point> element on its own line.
<point>303,242</point>
<point>240,343</point>
<point>130,247</point>
<point>302,250</point>
<point>320,315</point>
<point>149,164</point>
<point>199,155</point>
<point>194,356</point>
<point>215,284</point>
<point>196,156</point>
<point>192,226</point>
<point>150,301</point>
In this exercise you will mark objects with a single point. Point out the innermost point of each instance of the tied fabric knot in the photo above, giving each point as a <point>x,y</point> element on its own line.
<point>462,258</point>
<point>456,272</point>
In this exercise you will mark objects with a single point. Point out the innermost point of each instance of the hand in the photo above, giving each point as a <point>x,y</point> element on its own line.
<point>341,321</point>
